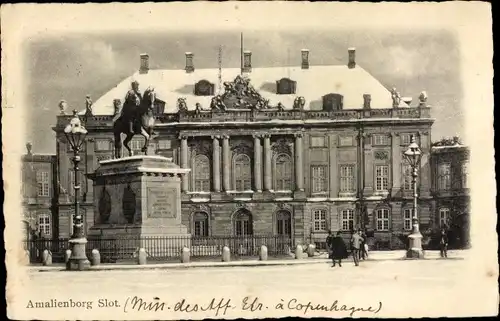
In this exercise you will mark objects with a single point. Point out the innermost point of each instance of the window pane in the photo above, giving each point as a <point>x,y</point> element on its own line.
<point>318,179</point>
<point>243,172</point>
<point>283,173</point>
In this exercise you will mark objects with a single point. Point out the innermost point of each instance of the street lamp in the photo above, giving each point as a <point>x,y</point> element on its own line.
<point>75,134</point>
<point>413,156</point>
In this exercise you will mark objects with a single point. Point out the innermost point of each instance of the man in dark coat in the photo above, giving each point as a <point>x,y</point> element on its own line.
<point>443,243</point>
<point>337,247</point>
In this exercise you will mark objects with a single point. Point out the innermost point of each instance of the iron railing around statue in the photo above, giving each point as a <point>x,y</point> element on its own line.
<point>164,248</point>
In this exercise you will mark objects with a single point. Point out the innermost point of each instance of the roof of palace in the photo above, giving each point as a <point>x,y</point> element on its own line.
<point>312,84</point>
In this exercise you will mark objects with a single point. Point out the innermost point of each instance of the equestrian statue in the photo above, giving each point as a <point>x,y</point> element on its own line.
<point>136,117</point>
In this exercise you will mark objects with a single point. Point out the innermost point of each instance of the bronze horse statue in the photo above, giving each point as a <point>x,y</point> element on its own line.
<point>144,124</point>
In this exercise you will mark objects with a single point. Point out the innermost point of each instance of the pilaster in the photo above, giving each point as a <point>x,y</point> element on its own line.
<point>257,149</point>
<point>267,162</point>
<point>226,162</point>
<point>216,163</point>
<point>396,164</point>
<point>184,161</point>
<point>334,173</point>
<point>368,163</point>
<point>299,164</point>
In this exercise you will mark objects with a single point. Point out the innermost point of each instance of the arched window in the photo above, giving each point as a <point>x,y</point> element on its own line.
<point>283,223</point>
<point>283,173</point>
<point>243,224</point>
<point>242,173</point>
<point>200,224</point>
<point>201,174</point>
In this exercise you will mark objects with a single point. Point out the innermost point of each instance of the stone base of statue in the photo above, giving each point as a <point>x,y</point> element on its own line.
<point>415,246</point>
<point>137,203</point>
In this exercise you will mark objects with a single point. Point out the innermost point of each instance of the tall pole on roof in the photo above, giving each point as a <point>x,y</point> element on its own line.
<point>241,53</point>
<point>220,68</point>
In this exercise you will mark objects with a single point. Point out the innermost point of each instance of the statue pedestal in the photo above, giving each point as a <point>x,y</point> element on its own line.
<point>137,201</point>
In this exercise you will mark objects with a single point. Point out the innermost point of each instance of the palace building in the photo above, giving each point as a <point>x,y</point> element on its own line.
<point>272,150</point>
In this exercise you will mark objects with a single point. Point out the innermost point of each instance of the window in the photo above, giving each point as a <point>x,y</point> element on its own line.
<point>102,144</point>
<point>383,219</point>
<point>465,175</point>
<point>407,177</point>
<point>319,179</point>
<point>285,86</point>
<point>347,178</point>
<point>319,220</point>
<point>405,139</point>
<point>44,224</point>
<point>242,173</point>
<point>380,140</point>
<point>204,88</point>
<point>407,218</point>
<point>347,220</point>
<point>346,141</point>
<point>382,177</point>
<point>200,223</point>
<point>201,174</point>
<point>283,172</point>
<point>243,223</point>
<point>42,180</point>
<point>283,223</point>
<point>444,216</point>
<point>318,141</point>
<point>164,144</point>
<point>333,102</point>
<point>444,176</point>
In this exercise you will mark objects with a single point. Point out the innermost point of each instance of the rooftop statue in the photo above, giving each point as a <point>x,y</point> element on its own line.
<point>422,99</point>
<point>396,98</point>
<point>298,103</point>
<point>182,105</point>
<point>88,106</point>
<point>63,105</point>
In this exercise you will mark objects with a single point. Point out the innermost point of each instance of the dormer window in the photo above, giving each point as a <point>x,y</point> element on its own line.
<point>204,88</point>
<point>332,102</point>
<point>286,86</point>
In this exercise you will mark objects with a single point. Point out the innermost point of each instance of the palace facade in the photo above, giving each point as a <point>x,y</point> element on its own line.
<point>294,151</point>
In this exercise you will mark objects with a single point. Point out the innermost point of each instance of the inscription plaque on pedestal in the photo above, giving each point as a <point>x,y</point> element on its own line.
<point>161,202</point>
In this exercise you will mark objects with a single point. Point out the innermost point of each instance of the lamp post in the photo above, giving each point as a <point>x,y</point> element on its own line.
<point>413,156</point>
<point>75,135</point>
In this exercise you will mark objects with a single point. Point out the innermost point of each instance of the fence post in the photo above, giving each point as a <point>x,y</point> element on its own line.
<point>96,257</point>
<point>298,252</point>
<point>67,255</point>
<point>185,255</point>
<point>142,256</point>
<point>310,250</point>
<point>226,254</point>
<point>263,253</point>
<point>47,257</point>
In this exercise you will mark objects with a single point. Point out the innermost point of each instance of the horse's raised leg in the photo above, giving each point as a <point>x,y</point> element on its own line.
<point>147,137</point>
<point>118,145</point>
<point>125,143</point>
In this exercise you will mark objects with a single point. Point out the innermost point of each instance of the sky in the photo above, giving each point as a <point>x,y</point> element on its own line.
<point>70,66</point>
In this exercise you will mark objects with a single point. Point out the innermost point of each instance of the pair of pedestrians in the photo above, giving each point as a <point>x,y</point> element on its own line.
<point>337,249</point>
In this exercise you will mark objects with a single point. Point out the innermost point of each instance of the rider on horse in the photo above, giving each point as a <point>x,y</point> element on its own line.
<point>131,106</point>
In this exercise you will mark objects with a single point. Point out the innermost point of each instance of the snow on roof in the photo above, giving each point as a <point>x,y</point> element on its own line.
<point>312,84</point>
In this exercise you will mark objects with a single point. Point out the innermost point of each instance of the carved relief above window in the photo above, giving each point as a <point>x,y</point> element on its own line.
<point>381,155</point>
<point>282,146</point>
<point>318,141</point>
<point>286,86</point>
<point>201,147</point>
<point>204,88</point>
<point>102,144</point>
<point>332,102</point>
<point>346,141</point>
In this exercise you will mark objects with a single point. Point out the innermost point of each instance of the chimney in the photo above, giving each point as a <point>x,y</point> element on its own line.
<point>189,62</point>
<point>352,58</point>
<point>367,99</point>
<point>407,100</point>
<point>305,58</point>
<point>247,61</point>
<point>144,68</point>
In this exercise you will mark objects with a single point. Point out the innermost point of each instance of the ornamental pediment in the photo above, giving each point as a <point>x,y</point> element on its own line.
<point>239,94</point>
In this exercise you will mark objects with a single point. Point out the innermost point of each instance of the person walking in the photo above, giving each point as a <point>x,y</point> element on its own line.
<point>356,241</point>
<point>443,243</point>
<point>363,251</point>
<point>338,249</point>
